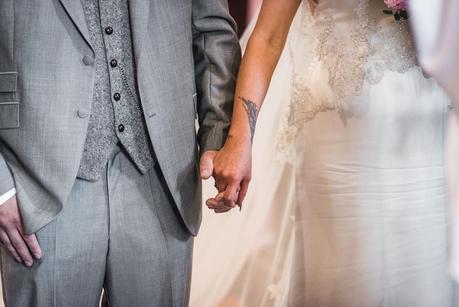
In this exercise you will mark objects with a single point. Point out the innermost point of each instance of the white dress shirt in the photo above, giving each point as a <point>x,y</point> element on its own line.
<point>7,196</point>
<point>436,26</point>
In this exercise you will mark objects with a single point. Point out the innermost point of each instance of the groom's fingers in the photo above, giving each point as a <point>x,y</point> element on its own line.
<point>214,204</point>
<point>20,246</point>
<point>206,165</point>
<point>7,244</point>
<point>33,245</point>
<point>222,210</point>
<point>219,206</point>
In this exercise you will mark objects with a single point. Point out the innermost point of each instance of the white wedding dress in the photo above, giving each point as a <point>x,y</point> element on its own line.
<point>356,214</point>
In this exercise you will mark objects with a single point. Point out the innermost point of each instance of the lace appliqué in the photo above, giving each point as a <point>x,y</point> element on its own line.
<point>300,112</point>
<point>393,50</point>
<point>347,60</point>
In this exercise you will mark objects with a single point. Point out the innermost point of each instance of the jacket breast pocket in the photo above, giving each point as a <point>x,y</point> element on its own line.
<point>9,106</point>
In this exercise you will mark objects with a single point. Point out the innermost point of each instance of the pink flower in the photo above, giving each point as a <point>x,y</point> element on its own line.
<point>397,5</point>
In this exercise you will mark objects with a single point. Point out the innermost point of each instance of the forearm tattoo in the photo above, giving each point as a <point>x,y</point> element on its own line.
<point>252,114</point>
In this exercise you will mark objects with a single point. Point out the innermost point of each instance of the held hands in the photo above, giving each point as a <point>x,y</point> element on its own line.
<point>24,248</point>
<point>231,168</point>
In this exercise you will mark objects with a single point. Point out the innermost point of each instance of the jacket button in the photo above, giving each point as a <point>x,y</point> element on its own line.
<point>83,113</point>
<point>117,96</point>
<point>121,128</point>
<point>113,63</point>
<point>88,60</point>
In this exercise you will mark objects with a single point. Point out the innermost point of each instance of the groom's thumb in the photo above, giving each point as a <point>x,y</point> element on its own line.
<point>207,164</point>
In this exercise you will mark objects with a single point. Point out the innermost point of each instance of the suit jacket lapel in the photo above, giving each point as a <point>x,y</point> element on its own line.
<point>74,9</point>
<point>139,13</point>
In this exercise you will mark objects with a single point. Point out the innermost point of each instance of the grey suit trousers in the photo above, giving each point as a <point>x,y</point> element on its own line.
<point>120,233</point>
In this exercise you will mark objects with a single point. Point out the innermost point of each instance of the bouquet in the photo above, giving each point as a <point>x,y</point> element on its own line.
<point>398,8</point>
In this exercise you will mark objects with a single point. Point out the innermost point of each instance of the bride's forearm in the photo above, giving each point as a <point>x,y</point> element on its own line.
<point>232,165</point>
<point>253,82</point>
<point>261,57</point>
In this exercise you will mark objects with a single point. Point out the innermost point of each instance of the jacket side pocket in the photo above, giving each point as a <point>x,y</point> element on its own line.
<point>9,106</point>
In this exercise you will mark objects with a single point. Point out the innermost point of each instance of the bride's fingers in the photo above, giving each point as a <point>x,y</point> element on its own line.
<point>242,193</point>
<point>230,194</point>
<point>220,185</point>
<point>226,199</point>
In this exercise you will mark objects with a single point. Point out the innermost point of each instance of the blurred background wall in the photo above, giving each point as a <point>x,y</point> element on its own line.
<point>243,11</point>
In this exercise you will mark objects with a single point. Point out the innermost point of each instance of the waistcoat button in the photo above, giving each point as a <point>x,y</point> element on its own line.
<point>108,30</point>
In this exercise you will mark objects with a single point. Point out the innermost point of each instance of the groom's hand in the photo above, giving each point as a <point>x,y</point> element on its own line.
<point>207,170</point>
<point>12,237</point>
<point>206,166</point>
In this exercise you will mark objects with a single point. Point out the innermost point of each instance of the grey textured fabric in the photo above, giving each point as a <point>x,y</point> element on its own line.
<point>114,76</point>
<point>9,118</point>
<point>121,233</point>
<point>181,48</point>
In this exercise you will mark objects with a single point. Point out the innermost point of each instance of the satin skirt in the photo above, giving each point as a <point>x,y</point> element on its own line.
<point>371,223</point>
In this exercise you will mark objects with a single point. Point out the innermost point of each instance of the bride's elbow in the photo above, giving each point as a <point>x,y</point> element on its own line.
<point>272,43</point>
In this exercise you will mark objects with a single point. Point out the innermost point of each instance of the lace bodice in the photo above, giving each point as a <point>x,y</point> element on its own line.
<point>334,51</point>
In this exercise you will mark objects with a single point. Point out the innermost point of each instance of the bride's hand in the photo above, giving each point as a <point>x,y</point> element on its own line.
<point>232,170</point>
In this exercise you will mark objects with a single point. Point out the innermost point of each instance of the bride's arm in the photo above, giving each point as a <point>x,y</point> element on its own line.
<point>263,51</point>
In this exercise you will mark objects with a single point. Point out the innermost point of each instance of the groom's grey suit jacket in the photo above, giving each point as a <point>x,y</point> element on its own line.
<point>187,56</point>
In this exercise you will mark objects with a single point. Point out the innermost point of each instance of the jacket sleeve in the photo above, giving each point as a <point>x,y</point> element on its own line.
<point>217,57</point>
<point>6,179</point>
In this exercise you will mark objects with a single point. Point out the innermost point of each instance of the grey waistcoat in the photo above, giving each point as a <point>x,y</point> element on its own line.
<point>116,115</point>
